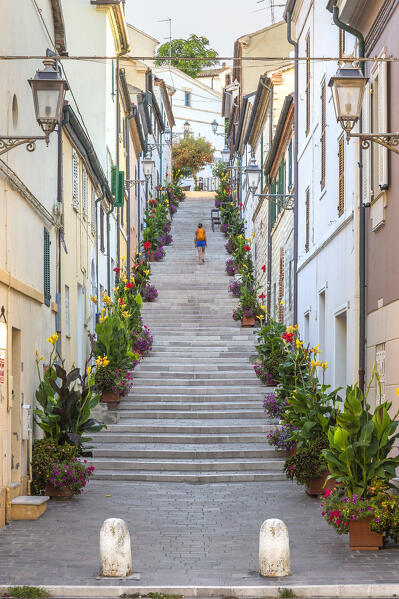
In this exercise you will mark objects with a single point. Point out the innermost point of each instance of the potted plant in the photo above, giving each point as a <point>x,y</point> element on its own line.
<point>45,453</point>
<point>281,438</point>
<point>309,467</point>
<point>68,479</point>
<point>149,293</point>
<point>271,351</point>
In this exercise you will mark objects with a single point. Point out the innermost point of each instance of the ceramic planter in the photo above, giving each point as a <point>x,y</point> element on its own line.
<point>318,486</point>
<point>110,397</point>
<point>248,321</point>
<point>361,538</point>
<point>58,494</point>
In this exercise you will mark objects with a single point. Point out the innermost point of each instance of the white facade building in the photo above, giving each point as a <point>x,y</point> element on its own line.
<point>200,106</point>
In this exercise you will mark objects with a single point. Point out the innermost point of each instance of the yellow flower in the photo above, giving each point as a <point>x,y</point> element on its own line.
<point>102,362</point>
<point>261,316</point>
<point>397,391</point>
<point>316,350</point>
<point>123,258</point>
<point>239,237</point>
<point>125,314</point>
<point>88,370</point>
<point>102,318</point>
<point>282,303</point>
<point>146,272</point>
<point>94,299</point>
<point>139,253</point>
<point>324,366</point>
<point>263,308</point>
<point>313,363</point>
<point>41,358</point>
<point>53,339</point>
<point>298,343</point>
<point>248,239</point>
<point>37,353</point>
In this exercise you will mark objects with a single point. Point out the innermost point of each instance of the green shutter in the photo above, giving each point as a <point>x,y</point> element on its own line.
<point>290,165</point>
<point>115,181</point>
<point>281,185</point>
<point>273,204</point>
<point>46,267</point>
<point>120,196</point>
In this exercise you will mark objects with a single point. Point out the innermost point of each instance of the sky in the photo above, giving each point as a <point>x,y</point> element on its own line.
<point>221,21</point>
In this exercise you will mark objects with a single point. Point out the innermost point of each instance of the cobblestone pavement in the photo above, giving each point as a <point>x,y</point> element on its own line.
<point>186,535</point>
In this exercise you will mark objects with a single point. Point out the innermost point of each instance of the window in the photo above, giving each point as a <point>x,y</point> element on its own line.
<point>323,135</point>
<point>341,175</point>
<point>102,236</point>
<point>84,192</point>
<point>75,180</point>
<point>281,287</point>
<point>187,98</point>
<point>67,313</point>
<point>379,123</point>
<point>307,89</point>
<point>341,47</point>
<point>307,220</point>
<point>93,211</point>
<point>46,267</point>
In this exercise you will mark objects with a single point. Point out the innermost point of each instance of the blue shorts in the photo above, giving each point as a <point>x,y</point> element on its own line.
<point>200,244</point>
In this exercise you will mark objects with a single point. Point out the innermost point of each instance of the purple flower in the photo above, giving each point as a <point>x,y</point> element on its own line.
<point>235,287</point>
<point>149,293</point>
<point>230,269</point>
<point>281,437</point>
<point>274,408</point>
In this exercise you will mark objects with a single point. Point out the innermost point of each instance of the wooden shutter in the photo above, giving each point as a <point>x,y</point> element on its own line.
<point>341,175</point>
<point>281,287</point>
<point>307,221</point>
<point>290,166</point>
<point>366,157</point>
<point>75,179</point>
<point>84,192</point>
<point>46,267</point>
<point>307,90</point>
<point>382,123</point>
<point>323,136</point>
<point>93,211</point>
<point>281,185</point>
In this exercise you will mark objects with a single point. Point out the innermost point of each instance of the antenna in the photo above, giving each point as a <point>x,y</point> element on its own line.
<point>168,20</point>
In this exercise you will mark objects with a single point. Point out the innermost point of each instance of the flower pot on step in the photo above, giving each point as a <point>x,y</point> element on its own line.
<point>361,538</point>
<point>59,494</point>
<point>153,257</point>
<point>248,321</point>
<point>111,398</point>
<point>318,485</point>
<point>292,452</point>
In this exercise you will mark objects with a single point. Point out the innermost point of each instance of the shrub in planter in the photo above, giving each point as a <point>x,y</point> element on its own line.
<point>230,268</point>
<point>116,380</point>
<point>263,374</point>
<point>271,351</point>
<point>281,437</point>
<point>159,253</point>
<point>149,293</point>
<point>240,312</point>
<point>274,407</point>
<point>72,476</point>
<point>308,463</point>
<point>45,453</point>
<point>235,287</point>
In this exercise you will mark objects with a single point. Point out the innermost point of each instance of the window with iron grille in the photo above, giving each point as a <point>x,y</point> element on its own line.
<point>102,236</point>
<point>46,267</point>
<point>93,211</point>
<point>323,136</point>
<point>75,179</point>
<point>307,89</point>
<point>341,175</point>
<point>84,192</point>
<point>307,222</point>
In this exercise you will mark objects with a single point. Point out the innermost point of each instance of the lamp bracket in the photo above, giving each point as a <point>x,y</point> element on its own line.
<point>388,140</point>
<point>130,182</point>
<point>8,143</point>
<point>3,314</point>
<point>288,199</point>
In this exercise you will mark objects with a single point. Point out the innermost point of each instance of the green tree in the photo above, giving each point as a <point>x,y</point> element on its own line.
<point>192,47</point>
<point>193,154</point>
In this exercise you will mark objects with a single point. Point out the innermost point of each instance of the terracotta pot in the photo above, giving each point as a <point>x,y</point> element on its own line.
<point>110,397</point>
<point>248,322</point>
<point>317,487</point>
<point>292,452</point>
<point>361,538</point>
<point>152,256</point>
<point>58,494</point>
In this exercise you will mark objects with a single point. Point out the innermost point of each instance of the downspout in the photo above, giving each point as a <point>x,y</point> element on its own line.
<point>296,145</point>
<point>118,129</point>
<point>362,219</point>
<point>138,204</point>
<point>109,248</point>
<point>129,240</point>
<point>59,273</point>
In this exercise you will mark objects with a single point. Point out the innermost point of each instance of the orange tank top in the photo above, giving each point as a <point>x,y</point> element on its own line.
<point>200,234</point>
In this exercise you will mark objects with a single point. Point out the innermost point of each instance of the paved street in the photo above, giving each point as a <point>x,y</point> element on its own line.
<point>186,534</point>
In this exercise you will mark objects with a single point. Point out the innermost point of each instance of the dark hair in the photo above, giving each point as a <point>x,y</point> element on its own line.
<point>200,225</point>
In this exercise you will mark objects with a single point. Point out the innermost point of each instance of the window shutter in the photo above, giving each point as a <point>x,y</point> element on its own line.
<point>366,158</point>
<point>290,166</point>
<point>120,195</point>
<point>93,211</point>
<point>307,221</point>
<point>307,84</point>
<point>46,268</point>
<point>102,241</point>
<point>281,185</point>
<point>115,181</point>
<point>323,136</point>
<point>382,122</point>
<point>84,192</point>
<point>341,175</point>
<point>273,205</point>
<point>75,179</point>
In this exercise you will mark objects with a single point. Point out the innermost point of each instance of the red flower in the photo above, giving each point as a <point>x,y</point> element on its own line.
<point>262,296</point>
<point>153,201</point>
<point>263,268</point>
<point>129,285</point>
<point>147,245</point>
<point>327,493</point>
<point>240,205</point>
<point>121,302</point>
<point>246,248</point>
<point>288,337</point>
<point>228,189</point>
<point>153,211</point>
<point>116,269</point>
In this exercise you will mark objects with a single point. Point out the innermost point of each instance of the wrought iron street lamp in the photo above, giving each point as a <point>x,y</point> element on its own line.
<point>348,88</point>
<point>225,155</point>
<point>148,166</point>
<point>215,126</point>
<point>186,128</point>
<point>252,173</point>
<point>48,91</point>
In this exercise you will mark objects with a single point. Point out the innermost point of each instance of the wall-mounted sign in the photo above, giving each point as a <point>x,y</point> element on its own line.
<point>2,366</point>
<point>3,335</point>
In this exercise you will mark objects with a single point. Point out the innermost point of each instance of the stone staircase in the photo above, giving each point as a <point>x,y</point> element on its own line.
<point>195,413</point>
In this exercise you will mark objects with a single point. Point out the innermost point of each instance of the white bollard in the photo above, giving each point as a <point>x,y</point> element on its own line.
<point>115,550</point>
<point>274,549</point>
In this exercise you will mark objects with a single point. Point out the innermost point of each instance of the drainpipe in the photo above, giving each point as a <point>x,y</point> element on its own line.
<point>129,240</point>
<point>118,129</point>
<point>362,220</point>
<point>138,204</point>
<point>59,273</point>
<point>296,143</point>
<point>98,200</point>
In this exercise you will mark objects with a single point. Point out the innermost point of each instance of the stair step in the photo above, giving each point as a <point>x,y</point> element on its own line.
<point>203,478</point>
<point>194,465</point>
